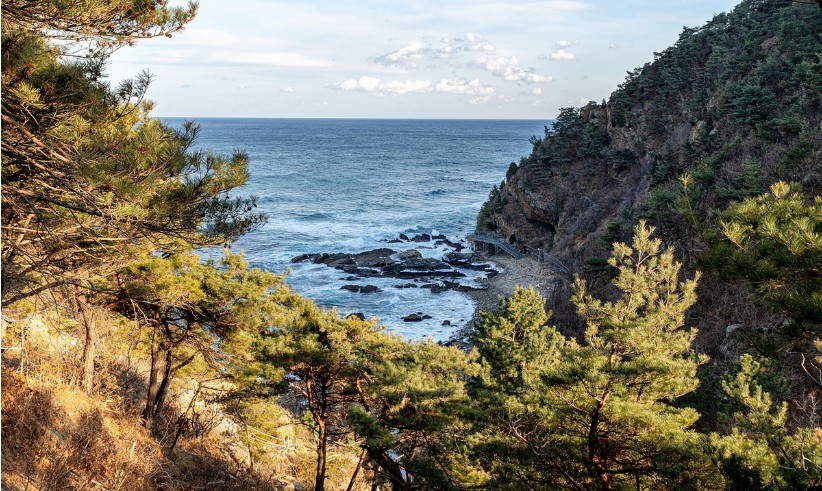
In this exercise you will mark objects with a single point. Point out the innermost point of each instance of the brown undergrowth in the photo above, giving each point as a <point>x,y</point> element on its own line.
<point>55,436</point>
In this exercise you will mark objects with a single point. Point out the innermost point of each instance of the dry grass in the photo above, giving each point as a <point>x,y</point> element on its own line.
<point>54,436</point>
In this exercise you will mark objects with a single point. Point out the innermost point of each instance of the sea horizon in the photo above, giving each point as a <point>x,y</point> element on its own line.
<point>345,186</point>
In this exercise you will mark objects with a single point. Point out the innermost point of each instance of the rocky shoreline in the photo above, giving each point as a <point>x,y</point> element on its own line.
<point>437,275</point>
<point>524,271</point>
<point>498,274</point>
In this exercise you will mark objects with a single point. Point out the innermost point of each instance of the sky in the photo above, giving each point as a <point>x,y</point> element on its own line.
<point>463,59</point>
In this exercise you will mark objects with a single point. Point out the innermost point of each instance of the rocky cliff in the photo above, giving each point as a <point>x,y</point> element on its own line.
<point>731,107</point>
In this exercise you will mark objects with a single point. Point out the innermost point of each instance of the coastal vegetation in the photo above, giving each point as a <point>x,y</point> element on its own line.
<point>682,350</point>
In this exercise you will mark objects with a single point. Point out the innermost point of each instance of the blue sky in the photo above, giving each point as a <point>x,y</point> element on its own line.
<point>405,58</point>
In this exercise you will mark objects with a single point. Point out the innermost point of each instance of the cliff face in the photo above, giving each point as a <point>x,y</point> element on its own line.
<point>730,108</point>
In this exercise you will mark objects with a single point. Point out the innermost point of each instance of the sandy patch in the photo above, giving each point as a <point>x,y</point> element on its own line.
<point>525,272</point>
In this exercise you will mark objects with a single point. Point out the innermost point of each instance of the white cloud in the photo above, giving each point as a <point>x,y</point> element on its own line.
<point>408,86</point>
<point>469,43</point>
<point>564,43</point>
<point>287,90</point>
<point>562,55</point>
<point>404,56</point>
<point>375,86</point>
<point>408,56</point>
<point>535,91</point>
<point>479,92</point>
<point>507,69</point>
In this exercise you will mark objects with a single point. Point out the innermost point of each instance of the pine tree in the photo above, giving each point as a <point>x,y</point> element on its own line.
<point>775,243</point>
<point>90,181</point>
<point>310,352</point>
<point>194,311</point>
<point>612,395</point>
<point>758,450</point>
<point>600,413</point>
<point>408,417</point>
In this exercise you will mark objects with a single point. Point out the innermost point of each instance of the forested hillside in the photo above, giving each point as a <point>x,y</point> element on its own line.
<point>680,354</point>
<point>732,108</point>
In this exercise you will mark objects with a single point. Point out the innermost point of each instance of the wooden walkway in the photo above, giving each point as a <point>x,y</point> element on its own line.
<point>497,244</point>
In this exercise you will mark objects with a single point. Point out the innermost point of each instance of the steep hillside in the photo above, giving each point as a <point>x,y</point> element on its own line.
<point>731,108</point>
<point>734,104</point>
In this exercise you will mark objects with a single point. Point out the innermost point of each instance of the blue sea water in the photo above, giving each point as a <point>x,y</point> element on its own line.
<point>349,185</point>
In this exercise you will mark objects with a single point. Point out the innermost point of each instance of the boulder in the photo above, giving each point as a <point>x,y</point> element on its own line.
<point>336,260</point>
<point>306,257</point>
<point>407,255</point>
<point>438,288</point>
<point>461,259</point>
<point>361,288</point>
<point>373,259</point>
<point>421,238</point>
<point>358,315</point>
<point>412,318</point>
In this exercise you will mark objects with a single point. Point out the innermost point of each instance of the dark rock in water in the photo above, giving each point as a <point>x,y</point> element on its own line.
<point>337,260</point>
<point>413,318</point>
<point>460,259</point>
<point>358,315</point>
<point>462,288</point>
<point>446,322</point>
<point>404,237</point>
<point>394,241</point>
<point>453,245</point>
<point>420,268</point>
<point>361,288</point>
<point>421,238</point>
<point>424,317</point>
<point>406,255</point>
<point>374,259</point>
<point>314,258</point>
<point>423,264</point>
<point>438,288</point>
<point>439,237</point>
<point>406,285</point>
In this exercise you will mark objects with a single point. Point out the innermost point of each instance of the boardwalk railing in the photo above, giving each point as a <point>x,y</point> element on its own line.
<point>497,244</point>
<point>538,254</point>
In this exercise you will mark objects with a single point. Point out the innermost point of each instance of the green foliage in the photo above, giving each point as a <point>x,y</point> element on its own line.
<point>512,338</point>
<point>512,169</point>
<point>393,397</point>
<point>491,206</point>
<point>774,241</point>
<point>194,311</point>
<point>596,414</point>
<point>759,452</point>
<point>90,180</point>
<point>412,396</point>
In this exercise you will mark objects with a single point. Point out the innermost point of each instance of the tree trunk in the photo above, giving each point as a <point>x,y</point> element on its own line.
<point>357,470</point>
<point>322,451</point>
<point>594,457</point>
<point>153,377</point>
<point>162,390</point>
<point>89,317</point>
<point>393,470</point>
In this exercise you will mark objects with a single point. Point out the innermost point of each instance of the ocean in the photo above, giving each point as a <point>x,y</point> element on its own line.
<point>352,185</point>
